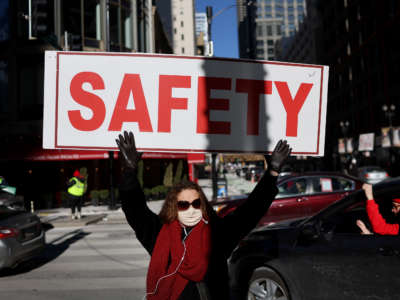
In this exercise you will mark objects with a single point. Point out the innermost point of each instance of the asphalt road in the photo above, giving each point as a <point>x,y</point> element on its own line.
<point>92,262</point>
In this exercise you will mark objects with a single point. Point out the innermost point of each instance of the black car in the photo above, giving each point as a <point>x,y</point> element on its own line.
<point>321,257</point>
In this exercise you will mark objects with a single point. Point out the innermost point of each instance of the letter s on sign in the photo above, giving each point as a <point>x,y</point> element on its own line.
<point>89,100</point>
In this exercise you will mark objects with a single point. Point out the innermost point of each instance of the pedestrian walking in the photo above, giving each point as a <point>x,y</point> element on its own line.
<point>188,243</point>
<point>76,187</point>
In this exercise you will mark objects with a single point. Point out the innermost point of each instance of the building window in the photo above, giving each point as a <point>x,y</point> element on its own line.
<point>260,43</point>
<point>259,30</point>
<point>5,28</point>
<point>3,86</point>
<point>270,42</point>
<point>291,18</point>
<point>260,51</point>
<point>269,30</point>
<point>268,9</point>
<point>300,8</point>
<point>174,30</point>
<point>270,51</point>
<point>183,50</point>
<point>278,29</point>
<point>121,25</point>
<point>181,23</point>
<point>91,20</point>
<point>182,37</point>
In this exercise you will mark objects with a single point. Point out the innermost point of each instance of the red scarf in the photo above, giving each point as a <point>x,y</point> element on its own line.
<point>169,247</point>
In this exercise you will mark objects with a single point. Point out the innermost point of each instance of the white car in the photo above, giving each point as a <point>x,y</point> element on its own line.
<point>372,174</point>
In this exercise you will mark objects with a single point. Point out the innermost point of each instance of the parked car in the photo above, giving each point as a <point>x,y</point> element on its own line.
<point>21,237</point>
<point>372,174</point>
<point>10,200</point>
<point>320,257</point>
<point>299,195</point>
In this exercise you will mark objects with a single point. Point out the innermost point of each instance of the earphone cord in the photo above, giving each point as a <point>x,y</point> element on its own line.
<point>176,270</point>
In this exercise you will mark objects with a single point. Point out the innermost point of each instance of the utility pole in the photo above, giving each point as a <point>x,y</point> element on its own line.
<point>214,177</point>
<point>110,153</point>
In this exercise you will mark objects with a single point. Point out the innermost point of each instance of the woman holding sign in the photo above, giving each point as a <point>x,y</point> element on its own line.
<point>188,243</point>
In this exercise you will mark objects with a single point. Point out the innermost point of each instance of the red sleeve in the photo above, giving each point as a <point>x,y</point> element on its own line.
<point>378,223</point>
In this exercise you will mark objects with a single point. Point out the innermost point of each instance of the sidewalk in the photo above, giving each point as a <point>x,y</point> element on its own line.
<point>61,217</point>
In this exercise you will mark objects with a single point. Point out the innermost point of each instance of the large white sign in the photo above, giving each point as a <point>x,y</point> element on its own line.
<point>182,104</point>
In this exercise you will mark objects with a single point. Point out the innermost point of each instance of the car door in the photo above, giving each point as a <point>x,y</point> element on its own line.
<point>290,201</point>
<point>325,191</point>
<point>343,264</point>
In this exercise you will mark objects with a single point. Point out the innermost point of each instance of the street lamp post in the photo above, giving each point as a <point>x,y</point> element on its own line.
<point>389,111</point>
<point>344,125</point>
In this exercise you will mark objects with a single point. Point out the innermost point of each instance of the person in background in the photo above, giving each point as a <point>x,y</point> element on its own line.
<point>378,223</point>
<point>188,243</point>
<point>76,188</point>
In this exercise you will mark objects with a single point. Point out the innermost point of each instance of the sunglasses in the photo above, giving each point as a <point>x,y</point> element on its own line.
<point>184,205</point>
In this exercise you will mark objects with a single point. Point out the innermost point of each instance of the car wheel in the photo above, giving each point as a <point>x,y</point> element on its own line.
<point>266,284</point>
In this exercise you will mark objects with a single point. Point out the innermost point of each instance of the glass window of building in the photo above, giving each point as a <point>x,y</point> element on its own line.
<point>270,42</point>
<point>290,9</point>
<point>260,51</point>
<point>289,2</point>
<point>291,18</point>
<point>260,43</point>
<point>91,19</point>
<point>3,86</point>
<point>260,11</point>
<point>5,22</point>
<point>71,20</point>
<point>260,30</point>
<point>182,37</point>
<point>270,51</point>
<point>278,29</point>
<point>280,2</point>
<point>183,50</point>
<point>120,25</point>
<point>269,29</point>
<point>300,18</point>
<point>300,8</point>
<point>268,9</point>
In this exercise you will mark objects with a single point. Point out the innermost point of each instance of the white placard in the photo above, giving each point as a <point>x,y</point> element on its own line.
<point>182,104</point>
<point>366,142</point>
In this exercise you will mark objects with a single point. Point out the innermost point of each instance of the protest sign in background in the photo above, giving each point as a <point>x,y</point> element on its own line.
<point>182,104</point>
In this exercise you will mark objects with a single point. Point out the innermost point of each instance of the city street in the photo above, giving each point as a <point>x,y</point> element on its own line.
<point>93,262</point>
<point>100,261</point>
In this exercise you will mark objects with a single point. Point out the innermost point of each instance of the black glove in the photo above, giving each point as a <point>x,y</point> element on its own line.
<point>279,156</point>
<point>127,147</point>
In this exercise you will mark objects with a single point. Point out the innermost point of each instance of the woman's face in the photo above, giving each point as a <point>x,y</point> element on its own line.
<point>189,207</point>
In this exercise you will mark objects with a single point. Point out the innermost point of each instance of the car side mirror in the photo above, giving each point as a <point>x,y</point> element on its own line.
<point>310,231</point>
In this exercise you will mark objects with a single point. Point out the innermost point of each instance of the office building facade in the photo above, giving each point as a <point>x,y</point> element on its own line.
<point>262,24</point>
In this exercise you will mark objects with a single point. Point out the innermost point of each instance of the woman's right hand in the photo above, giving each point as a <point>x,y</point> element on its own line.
<point>127,147</point>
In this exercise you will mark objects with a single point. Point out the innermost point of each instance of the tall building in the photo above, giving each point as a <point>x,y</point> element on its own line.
<point>183,24</point>
<point>202,34</point>
<point>263,23</point>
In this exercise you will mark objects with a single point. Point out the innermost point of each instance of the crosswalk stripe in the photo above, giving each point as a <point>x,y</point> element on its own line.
<point>74,284</point>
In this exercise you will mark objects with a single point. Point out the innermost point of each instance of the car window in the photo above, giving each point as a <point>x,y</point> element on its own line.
<point>331,184</point>
<point>292,187</point>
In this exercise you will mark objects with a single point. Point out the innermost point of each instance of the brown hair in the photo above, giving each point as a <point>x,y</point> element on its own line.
<point>169,210</point>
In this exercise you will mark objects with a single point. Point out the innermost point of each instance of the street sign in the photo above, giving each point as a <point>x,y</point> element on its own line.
<point>182,104</point>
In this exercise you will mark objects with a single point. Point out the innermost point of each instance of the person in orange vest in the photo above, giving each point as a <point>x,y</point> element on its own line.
<point>76,188</point>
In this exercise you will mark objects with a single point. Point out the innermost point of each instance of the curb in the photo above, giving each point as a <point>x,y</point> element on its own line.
<point>66,221</point>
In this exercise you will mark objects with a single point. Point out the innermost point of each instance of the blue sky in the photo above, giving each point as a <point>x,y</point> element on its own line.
<point>223,27</point>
